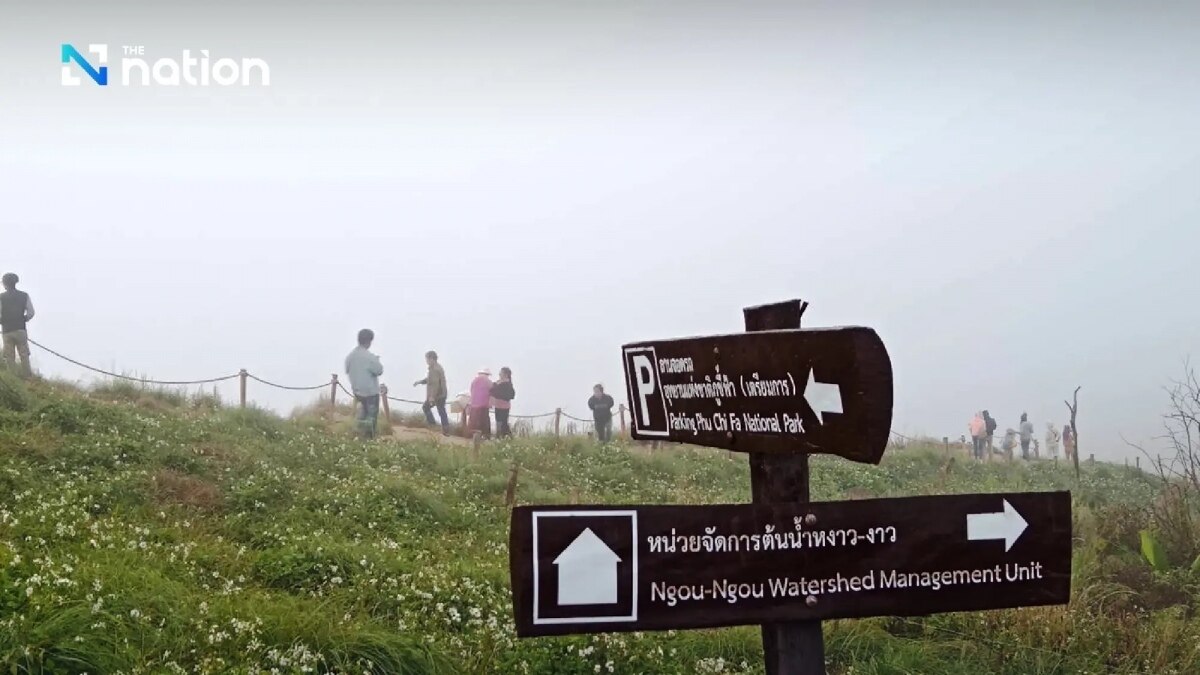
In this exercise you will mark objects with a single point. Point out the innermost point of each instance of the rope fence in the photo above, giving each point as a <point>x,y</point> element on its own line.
<point>143,380</point>
<point>530,422</point>
<point>283,386</point>
<point>333,384</point>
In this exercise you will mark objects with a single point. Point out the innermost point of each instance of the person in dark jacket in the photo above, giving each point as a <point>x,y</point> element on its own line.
<point>502,396</point>
<point>16,310</point>
<point>601,405</point>
<point>990,422</point>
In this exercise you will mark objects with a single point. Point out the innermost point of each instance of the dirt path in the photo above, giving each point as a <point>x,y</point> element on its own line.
<point>427,435</point>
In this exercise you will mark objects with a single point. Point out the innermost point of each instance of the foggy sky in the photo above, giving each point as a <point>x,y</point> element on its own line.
<point>1007,194</point>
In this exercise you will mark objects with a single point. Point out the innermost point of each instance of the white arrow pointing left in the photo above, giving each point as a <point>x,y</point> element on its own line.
<point>1007,525</point>
<point>822,397</point>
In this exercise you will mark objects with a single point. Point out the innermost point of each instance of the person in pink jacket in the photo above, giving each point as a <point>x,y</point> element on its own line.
<point>978,430</point>
<point>481,396</point>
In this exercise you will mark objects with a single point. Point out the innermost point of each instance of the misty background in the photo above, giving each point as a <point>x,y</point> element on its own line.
<point>1007,194</point>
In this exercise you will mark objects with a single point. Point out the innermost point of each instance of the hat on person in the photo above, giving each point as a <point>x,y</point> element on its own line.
<point>485,371</point>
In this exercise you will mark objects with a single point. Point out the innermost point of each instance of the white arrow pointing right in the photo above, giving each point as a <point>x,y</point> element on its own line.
<point>1007,525</point>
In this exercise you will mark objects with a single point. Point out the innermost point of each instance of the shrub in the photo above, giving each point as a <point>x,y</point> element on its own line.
<point>13,394</point>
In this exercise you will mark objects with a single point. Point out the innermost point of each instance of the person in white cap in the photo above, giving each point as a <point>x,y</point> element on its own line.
<point>481,394</point>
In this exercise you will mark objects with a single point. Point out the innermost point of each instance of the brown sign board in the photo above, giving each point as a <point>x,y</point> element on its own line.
<point>826,390</point>
<point>588,569</point>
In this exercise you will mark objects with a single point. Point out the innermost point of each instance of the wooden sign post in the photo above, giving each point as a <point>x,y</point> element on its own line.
<point>778,393</point>
<point>788,648</point>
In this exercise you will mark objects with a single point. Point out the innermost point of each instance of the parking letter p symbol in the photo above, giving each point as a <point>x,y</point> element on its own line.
<point>646,386</point>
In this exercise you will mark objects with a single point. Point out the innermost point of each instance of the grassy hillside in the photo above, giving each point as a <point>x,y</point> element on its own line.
<point>149,533</point>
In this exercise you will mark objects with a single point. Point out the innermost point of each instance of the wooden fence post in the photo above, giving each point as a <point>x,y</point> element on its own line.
<point>383,402</point>
<point>793,648</point>
<point>242,386</point>
<point>510,492</point>
<point>946,442</point>
<point>621,411</point>
<point>557,419</point>
<point>333,392</point>
<point>1137,462</point>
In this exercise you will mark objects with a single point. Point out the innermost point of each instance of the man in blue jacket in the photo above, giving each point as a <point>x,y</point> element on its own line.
<point>364,370</point>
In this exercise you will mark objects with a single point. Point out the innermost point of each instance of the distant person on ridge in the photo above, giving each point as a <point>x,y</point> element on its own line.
<point>1051,440</point>
<point>1008,442</point>
<point>364,370</point>
<point>481,397</point>
<point>978,429</point>
<point>1026,435</point>
<point>16,309</point>
<point>502,396</point>
<point>436,392</point>
<point>991,431</point>
<point>601,405</point>
<point>1068,439</point>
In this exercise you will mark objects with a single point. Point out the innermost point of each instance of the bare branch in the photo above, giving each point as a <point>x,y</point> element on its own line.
<point>1074,408</point>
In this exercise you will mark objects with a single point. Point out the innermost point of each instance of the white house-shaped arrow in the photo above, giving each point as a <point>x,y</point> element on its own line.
<point>587,572</point>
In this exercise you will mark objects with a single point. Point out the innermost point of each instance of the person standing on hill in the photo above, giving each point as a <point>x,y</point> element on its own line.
<point>16,310</point>
<point>1026,435</point>
<point>364,369</point>
<point>502,395</point>
<point>978,429</point>
<point>1068,442</point>
<point>601,405</point>
<point>436,392</point>
<point>1051,440</point>
<point>481,397</point>
<point>991,431</point>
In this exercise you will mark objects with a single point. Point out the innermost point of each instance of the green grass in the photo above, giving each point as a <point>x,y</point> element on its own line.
<point>145,531</point>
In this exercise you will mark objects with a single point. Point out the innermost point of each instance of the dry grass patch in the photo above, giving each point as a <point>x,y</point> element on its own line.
<point>173,487</point>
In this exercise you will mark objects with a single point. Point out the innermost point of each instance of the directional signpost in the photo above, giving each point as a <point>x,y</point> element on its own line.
<point>790,391</point>
<point>780,394</point>
<point>585,569</point>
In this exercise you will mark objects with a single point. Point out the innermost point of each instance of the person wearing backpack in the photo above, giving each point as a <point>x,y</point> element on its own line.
<point>990,423</point>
